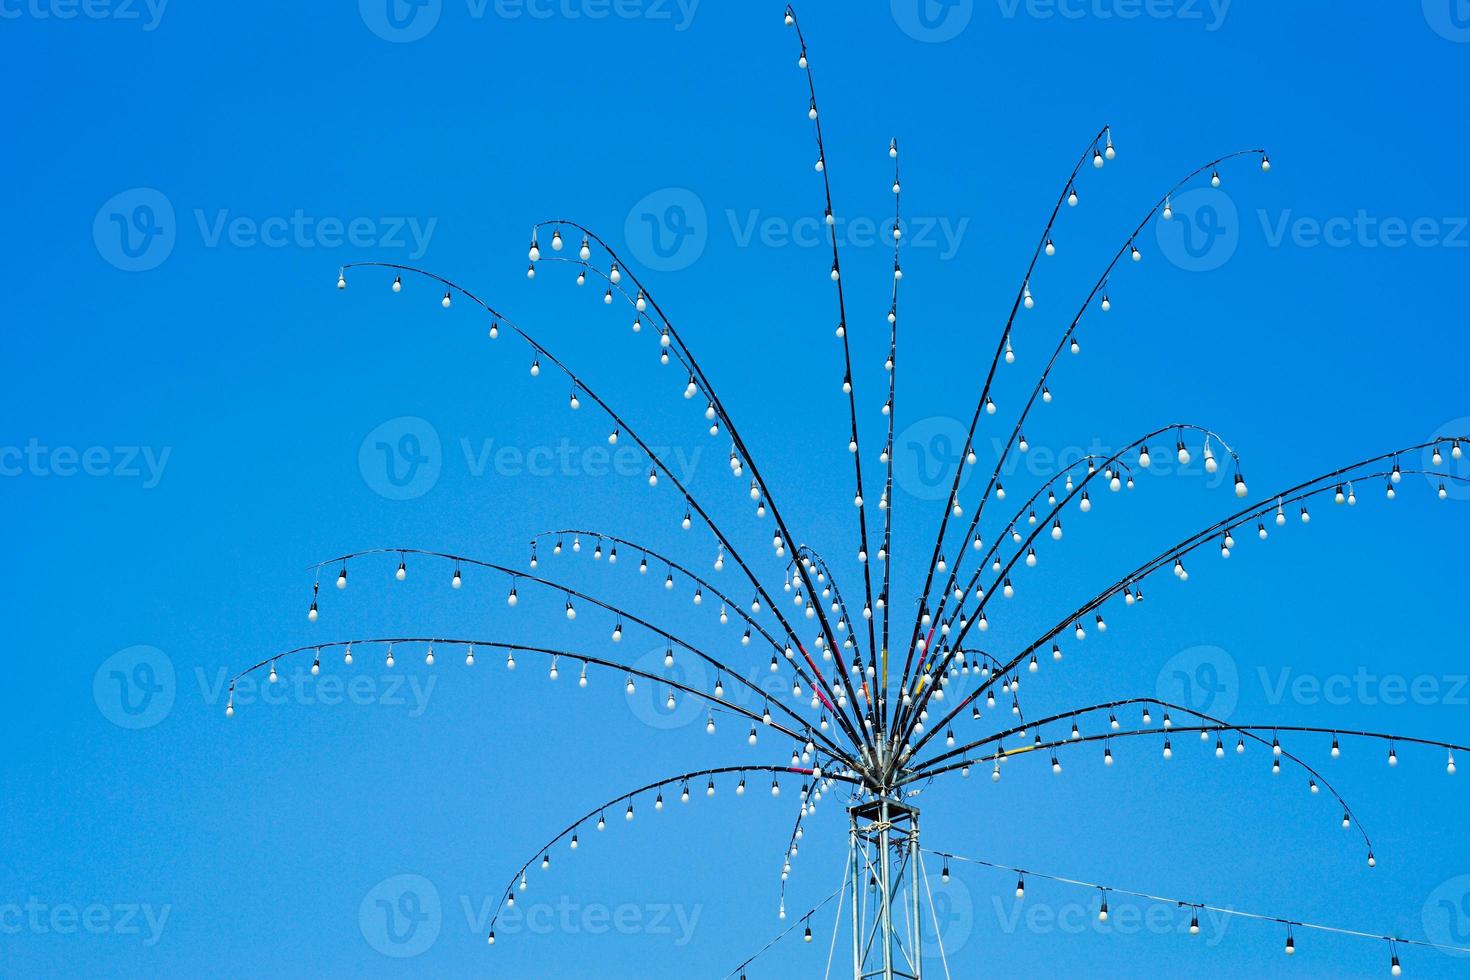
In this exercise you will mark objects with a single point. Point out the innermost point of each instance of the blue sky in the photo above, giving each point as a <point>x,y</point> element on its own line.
<point>197,416</point>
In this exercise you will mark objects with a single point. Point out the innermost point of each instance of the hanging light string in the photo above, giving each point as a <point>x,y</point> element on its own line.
<point>792,843</point>
<point>932,767</point>
<point>686,357</point>
<point>809,801</point>
<point>702,583</point>
<point>933,916</point>
<point>619,612</point>
<point>812,561</point>
<point>1176,553</point>
<point>518,881</point>
<point>1051,524</point>
<point>1276,503</point>
<point>1094,463</point>
<point>801,921</point>
<point>1255,512</point>
<point>1052,520</point>
<point>1109,467</point>
<point>1022,293</point>
<point>658,465</point>
<point>825,575</point>
<point>948,663</point>
<point>1096,294</point>
<point>824,572</point>
<point>854,444</point>
<point>718,703</point>
<point>1208,723</point>
<point>991,662</point>
<point>936,766</point>
<point>1128,248</point>
<point>1199,906</point>
<point>888,501</point>
<point>1256,733</point>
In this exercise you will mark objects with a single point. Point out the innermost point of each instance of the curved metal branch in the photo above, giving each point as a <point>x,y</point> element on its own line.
<point>958,595</point>
<point>1040,389</point>
<point>1051,519</point>
<point>1293,495</point>
<point>620,613</point>
<point>1127,248</point>
<point>854,443</point>
<point>645,299</point>
<point>572,656</point>
<point>1021,295</point>
<point>727,603</point>
<point>808,805</point>
<point>519,878</point>
<point>887,502</point>
<point>655,462</point>
<point>935,767</point>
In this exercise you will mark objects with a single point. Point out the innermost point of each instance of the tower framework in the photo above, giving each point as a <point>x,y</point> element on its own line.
<point>884,892</point>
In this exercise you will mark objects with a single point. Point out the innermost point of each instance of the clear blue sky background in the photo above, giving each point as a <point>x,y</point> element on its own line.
<point>265,839</point>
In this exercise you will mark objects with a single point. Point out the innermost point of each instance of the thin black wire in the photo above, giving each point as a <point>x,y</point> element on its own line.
<point>784,933</point>
<point>1197,906</point>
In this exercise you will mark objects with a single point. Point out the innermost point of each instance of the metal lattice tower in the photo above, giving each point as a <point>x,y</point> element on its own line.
<point>884,886</point>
